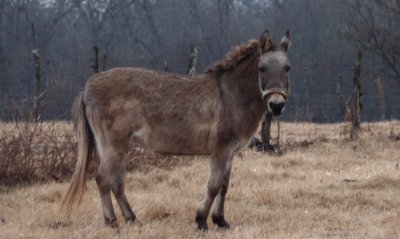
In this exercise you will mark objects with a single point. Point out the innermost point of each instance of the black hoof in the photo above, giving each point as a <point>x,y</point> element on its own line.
<point>268,148</point>
<point>256,144</point>
<point>220,222</point>
<point>111,222</point>
<point>130,220</point>
<point>201,222</point>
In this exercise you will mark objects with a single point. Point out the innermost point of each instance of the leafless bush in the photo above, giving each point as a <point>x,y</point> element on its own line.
<point>35,152</point>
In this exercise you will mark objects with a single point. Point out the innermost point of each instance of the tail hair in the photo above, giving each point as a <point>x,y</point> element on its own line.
<point>84,136</point>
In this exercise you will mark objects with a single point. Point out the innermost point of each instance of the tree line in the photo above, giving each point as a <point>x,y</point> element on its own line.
<point>152,33</point>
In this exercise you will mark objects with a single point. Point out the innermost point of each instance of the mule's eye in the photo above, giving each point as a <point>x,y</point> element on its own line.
<point>287,68</point>
<point>262,69</point>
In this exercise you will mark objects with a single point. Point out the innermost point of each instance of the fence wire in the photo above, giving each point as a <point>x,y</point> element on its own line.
<point>313,96</point>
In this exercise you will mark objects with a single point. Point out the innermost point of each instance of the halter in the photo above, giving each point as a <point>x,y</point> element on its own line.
<point>283,92</point>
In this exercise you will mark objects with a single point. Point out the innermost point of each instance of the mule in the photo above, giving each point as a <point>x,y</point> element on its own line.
<point>215,114</point>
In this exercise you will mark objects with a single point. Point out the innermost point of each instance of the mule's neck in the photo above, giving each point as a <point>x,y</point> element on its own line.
<point>242,84</point>
<point>240,90</point>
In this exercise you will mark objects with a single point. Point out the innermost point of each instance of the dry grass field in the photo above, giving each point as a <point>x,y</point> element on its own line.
<point>322,186</point>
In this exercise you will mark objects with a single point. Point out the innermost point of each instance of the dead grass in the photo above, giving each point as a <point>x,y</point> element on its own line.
<point>328,187</point>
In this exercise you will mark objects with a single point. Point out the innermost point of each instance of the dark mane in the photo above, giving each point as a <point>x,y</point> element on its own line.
<point>237,54</point>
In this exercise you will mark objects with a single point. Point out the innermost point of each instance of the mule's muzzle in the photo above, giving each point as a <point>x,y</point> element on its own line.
<point>276,108</point>
<point>275,102</point>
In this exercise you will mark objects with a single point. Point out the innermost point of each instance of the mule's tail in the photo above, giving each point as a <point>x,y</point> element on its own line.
<point>77,187</point>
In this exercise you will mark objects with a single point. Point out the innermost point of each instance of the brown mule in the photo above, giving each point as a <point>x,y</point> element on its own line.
<point>215,113</point>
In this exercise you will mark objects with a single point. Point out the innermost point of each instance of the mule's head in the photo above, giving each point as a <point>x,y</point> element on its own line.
<point>273,73</point>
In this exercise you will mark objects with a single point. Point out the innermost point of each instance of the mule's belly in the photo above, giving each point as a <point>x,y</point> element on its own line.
<point>195,140</point>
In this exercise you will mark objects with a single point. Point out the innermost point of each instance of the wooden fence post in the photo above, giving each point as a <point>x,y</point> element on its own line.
<point>381,97</point>
<point>35,114</point>
<point>339,93</point>
<point>104,62</point>
<point>306,82</point>
<point>95,59</point>
<point>166,68</point>
<point>356,113</point>
<point>344,103</point>
<point>191,70</point>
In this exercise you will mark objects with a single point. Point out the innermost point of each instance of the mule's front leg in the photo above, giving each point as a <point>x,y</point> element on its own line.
<point>218,165</point>
<point>217,216</point>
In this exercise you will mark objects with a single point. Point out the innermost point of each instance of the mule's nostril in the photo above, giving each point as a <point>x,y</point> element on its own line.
<point>276,107</point>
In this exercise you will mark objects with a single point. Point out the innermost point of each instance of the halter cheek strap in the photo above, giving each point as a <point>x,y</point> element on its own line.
<point>265,92</point>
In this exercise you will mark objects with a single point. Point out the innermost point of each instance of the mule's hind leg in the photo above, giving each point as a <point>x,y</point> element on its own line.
<point>216,180</point>
<point>217,215</point>
<point>118,188</point>
<point>105,196</point>
<point>110,176</point>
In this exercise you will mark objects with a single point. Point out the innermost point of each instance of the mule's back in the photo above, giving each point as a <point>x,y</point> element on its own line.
<point>165,112</point>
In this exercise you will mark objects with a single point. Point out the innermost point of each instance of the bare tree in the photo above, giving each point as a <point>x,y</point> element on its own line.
<point>375,26</point>
<point>42,28</point>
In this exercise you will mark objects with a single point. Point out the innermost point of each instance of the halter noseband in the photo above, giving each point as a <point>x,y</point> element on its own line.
<point>283,92</point>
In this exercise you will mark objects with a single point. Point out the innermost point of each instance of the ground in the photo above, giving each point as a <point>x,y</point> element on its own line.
<point>322,186</point>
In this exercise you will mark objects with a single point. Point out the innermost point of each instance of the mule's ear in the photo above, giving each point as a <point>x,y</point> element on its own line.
<point>285,42</point>
<point>265,41</point>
